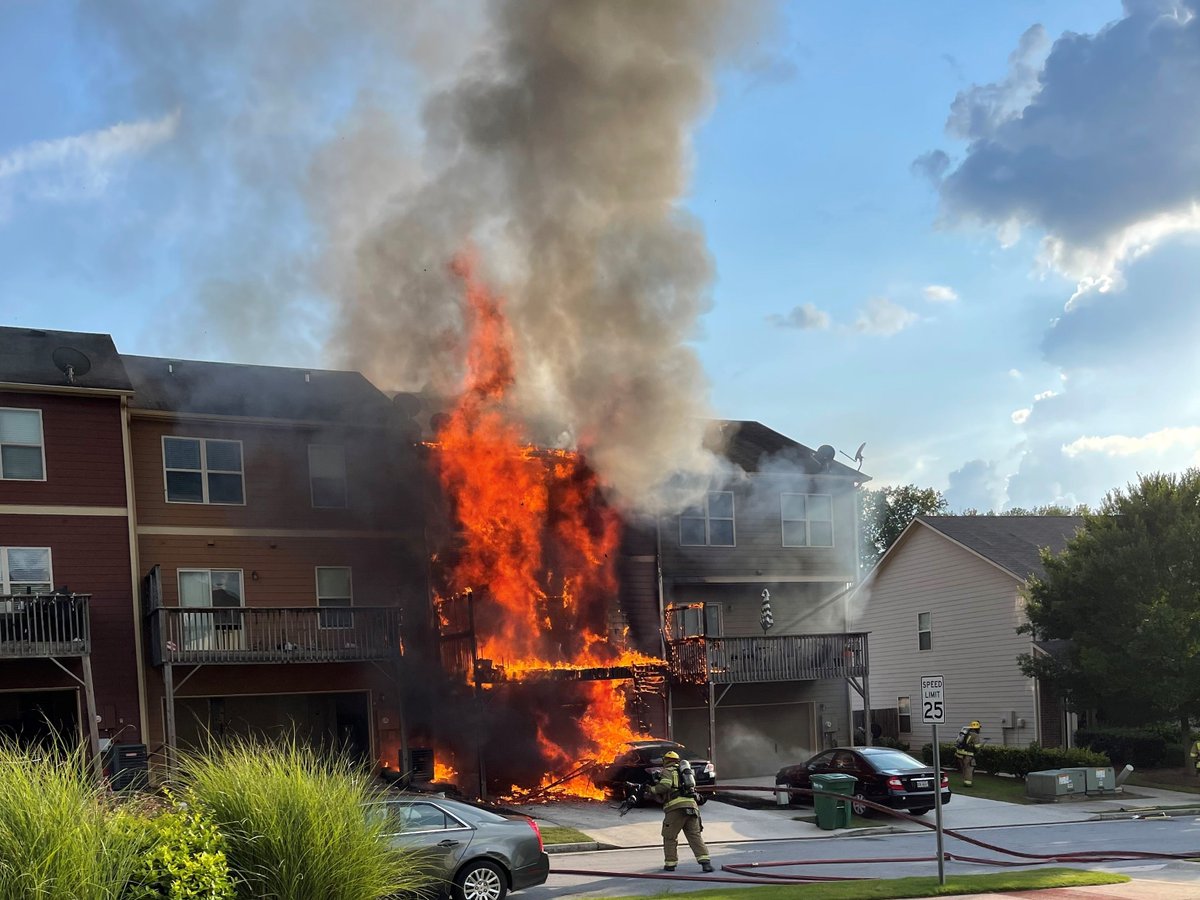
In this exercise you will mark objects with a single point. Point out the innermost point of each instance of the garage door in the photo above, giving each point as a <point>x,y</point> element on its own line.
<point>752,738</point>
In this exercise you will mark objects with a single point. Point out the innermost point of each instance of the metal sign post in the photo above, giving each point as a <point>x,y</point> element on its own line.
<point>933,713</point>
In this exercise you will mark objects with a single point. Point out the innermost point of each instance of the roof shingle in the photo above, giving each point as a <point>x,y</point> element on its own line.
<point>1011,542</point>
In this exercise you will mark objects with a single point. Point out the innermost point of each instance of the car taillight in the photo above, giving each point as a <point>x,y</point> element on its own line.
<point>538,832</point>
<point>895,784</point>
<point>945,780</point>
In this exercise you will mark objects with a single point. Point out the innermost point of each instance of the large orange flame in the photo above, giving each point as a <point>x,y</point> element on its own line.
<point>538,547</point>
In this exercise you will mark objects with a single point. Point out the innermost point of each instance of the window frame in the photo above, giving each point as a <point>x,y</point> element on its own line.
<point>807,520</point>
<point>312,496</point>
<point>203,470</point>
<point>321,618</point>
<point>708,519</point>
<point>902,704</point>
<point>233,623</point>
<point>41,445</point>
<point>927,630</point>
<point>5,578</point>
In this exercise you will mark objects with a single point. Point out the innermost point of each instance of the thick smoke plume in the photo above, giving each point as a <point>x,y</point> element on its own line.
<point>559,156</point>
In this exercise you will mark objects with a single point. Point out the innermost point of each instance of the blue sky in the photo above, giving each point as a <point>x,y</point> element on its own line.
<point>965,234</point>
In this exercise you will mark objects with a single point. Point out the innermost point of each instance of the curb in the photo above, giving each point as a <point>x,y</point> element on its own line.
<point>1149,812</point>
<point>579,847</point>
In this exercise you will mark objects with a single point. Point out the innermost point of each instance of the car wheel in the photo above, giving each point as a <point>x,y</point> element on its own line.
<point>920,810</point>
<point>859,808</point>
<point>480,880</point>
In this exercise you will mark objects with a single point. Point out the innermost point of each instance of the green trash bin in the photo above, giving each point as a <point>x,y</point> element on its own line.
<point>833,812</point>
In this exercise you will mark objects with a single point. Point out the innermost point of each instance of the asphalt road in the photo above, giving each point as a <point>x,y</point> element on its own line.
<point>613,867</point>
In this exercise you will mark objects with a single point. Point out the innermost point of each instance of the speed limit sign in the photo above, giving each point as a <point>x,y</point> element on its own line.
<point>933,700</point>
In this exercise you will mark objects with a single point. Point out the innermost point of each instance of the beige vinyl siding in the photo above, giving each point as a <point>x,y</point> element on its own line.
<point>976,609</point>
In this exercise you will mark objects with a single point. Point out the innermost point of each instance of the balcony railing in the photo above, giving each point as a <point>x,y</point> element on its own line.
<point>41,626</point>
<point>792,657</point>
<point>273,635</point>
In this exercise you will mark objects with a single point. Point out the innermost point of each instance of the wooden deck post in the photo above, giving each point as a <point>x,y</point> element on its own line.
<point>89,693</point>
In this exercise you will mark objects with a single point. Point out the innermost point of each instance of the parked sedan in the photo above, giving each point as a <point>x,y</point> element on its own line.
<point>479,854</point>
<point>886,776</point>
<point>642,762</point>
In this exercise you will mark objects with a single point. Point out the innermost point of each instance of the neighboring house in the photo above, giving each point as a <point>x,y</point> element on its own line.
<point>279,531</point>
<point>69,640</point>
<point>786,523</point>
<point>946,599</point>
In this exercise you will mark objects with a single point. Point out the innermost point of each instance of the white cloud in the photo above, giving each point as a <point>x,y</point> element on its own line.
<point>940,293</point>
<point>806,317</point>
<point>1124,445</point>
<point>883,317</point>
<point>1019,416</point>
<point>1044,395</point>
<point>1014,373</point>
<point>80,166</point>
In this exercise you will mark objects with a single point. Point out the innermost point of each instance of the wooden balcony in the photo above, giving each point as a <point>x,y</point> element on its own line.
<point>293,634</point>
<point>792,657</point>
<point>44,626</point>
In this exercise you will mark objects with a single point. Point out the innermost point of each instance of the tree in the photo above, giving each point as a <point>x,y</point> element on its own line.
<point>1049,509</point>
<point>1126,594</point>
<point>886,512</point>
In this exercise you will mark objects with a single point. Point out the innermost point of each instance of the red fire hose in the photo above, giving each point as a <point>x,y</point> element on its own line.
<point>752,873</point>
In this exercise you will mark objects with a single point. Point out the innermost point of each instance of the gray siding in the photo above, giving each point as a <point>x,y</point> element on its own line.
<point>759,552</point>
<point>976,609</point>
<point>797,608</point>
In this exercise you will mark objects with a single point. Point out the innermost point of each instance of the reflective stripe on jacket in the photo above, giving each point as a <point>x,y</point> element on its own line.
<point>668,789</point>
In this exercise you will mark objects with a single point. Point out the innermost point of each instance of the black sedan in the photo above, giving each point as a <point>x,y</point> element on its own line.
<point>475,853</point>
<point>642,762</point>
<point>885,776</point>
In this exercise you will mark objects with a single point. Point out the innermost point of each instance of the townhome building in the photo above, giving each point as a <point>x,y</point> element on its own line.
<point>279,534</point>
<point>750,585</point>
<point>69,634</point>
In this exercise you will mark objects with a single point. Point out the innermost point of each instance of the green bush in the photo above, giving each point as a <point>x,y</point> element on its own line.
<point>1143,748</point>
<point>1020,761</point>
<point>892,742</point>
<point>56,839</point>
<point>294,823</point>
<point>182,855</point>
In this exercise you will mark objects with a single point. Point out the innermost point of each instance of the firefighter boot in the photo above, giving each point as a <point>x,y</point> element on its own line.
<point>706,866</point>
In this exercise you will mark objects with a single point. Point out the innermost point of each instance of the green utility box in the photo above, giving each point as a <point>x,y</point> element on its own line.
<point>833,812</point>
<point>1055,784</point>
<point>1100,780</point>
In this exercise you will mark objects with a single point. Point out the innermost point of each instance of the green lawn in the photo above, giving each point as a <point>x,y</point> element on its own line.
<point>560,834</point>
<point>990,787</point>
<point>895,888</point>
<point>1167,780</point>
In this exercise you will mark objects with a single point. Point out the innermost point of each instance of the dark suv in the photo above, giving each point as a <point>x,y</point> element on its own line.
<point>642,761</point>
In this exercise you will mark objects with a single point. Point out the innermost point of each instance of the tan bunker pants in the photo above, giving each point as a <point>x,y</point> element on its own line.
<point>687,820</point>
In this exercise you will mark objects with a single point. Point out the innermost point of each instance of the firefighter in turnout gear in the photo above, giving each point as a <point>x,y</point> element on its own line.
<point>676,788</point>
<point>964,749</point>
<point>1194,753</point>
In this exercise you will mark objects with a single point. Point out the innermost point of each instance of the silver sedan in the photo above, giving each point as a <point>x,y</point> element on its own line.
<point>478,854</point>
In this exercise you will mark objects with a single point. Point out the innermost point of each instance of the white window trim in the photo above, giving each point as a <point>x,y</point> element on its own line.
<point>204,471</point>
<point>345,478</point>
<point>41,446</point>
<point>5,584</point>
<point>731,519</point>
<point>921,631</point>
<point>317,586</point>
<point>807,521</point>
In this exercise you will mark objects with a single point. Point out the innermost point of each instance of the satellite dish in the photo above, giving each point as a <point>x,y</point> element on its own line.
<point>71,363</point>
<point>858,456</point>
<point>825,455</point>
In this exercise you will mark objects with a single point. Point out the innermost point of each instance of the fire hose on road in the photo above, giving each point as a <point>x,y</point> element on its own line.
<point>753,873</point>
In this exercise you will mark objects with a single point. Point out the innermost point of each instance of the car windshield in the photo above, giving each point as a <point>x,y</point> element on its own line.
<point>894,759</point>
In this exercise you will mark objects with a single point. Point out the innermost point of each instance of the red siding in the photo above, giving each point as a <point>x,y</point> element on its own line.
<point>90,555</point>
<point>85,462</point>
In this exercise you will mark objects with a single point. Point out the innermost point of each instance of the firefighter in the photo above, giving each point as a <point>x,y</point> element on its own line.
<point>964,749</point>
<point>1194,753</point>
<point>676,788</point>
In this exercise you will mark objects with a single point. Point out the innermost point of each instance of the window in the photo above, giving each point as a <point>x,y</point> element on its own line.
<point>807,520</point>
<point>904,713</point>
<point>925,631</point>
<point>25,570</point>
<point>334,597</point>
<point>327,476</point>
<point>698,620</point>
<point>202,470</point>
<point>708,525</point>
<point>21,457</point>
<point>218,588</point>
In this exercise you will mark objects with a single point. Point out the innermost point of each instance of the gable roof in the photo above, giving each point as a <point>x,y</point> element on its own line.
<point>751,444</point>
<point>261,392</point>
<point>27,358</point>
<point>1011,542</point>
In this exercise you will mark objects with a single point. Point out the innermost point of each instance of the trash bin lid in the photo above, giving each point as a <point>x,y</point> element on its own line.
<point>832,778</point>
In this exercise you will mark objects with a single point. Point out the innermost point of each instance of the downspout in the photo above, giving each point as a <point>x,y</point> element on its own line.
<point>135,570</point>
<point>662,622</point>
